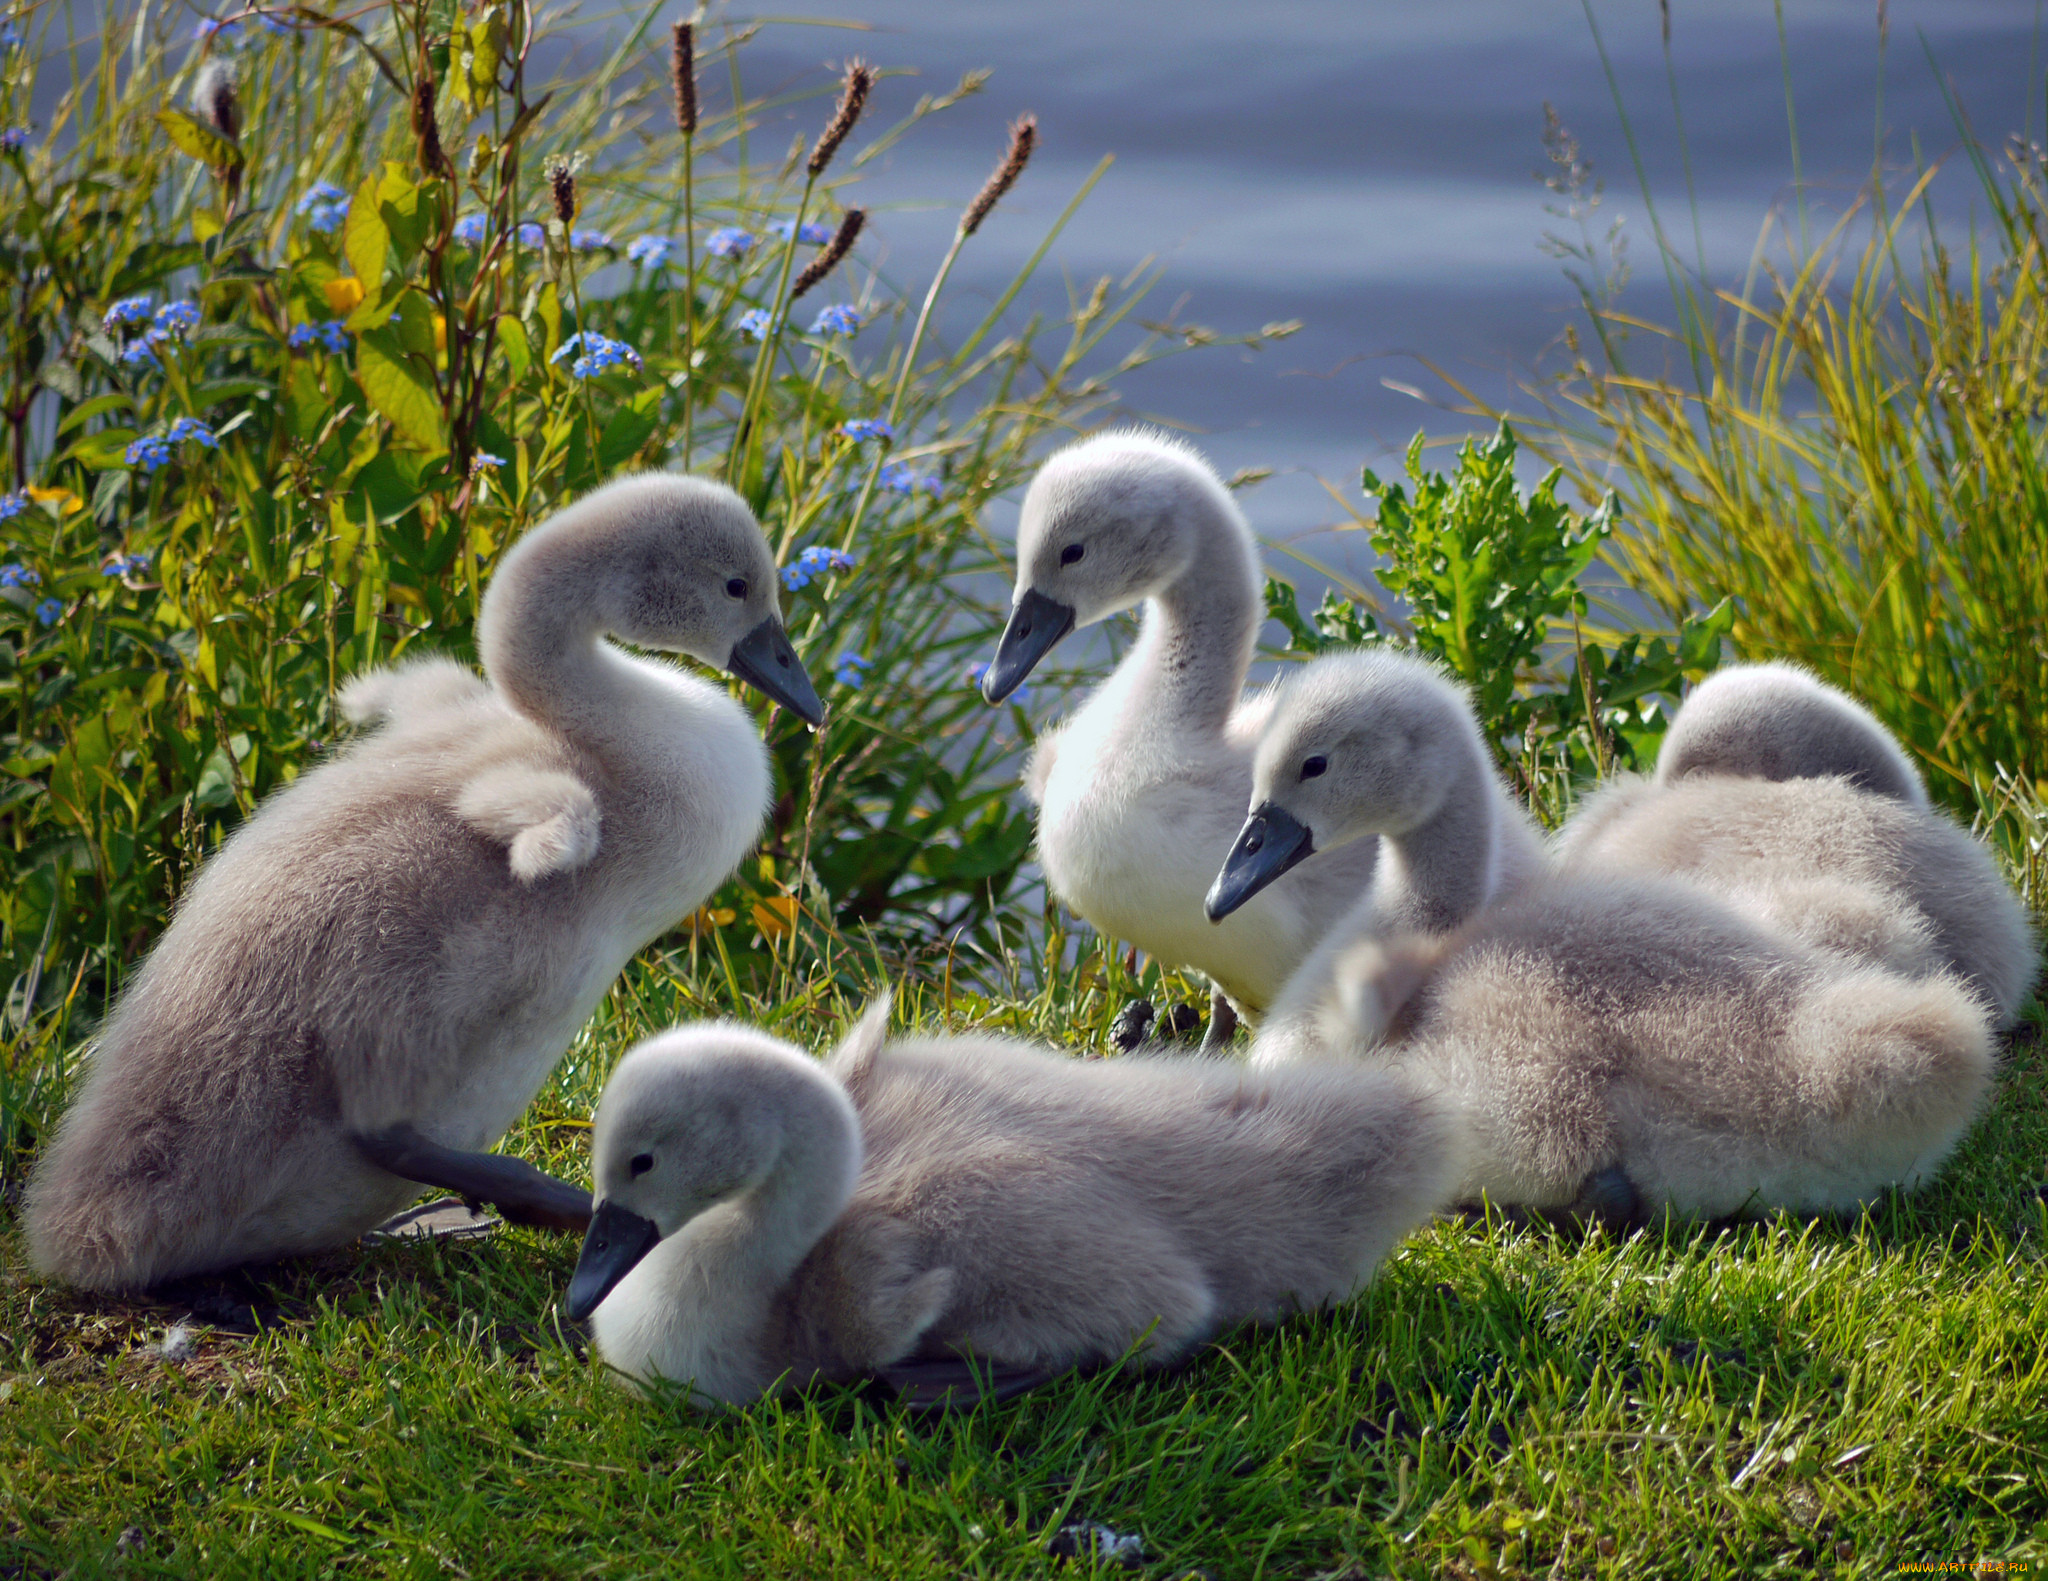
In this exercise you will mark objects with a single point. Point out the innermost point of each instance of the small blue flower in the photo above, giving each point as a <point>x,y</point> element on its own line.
<point>898,477</point>
<point>329,220</point>
<point>210,25</point>
<point>323,206</point>
<point>149,452</point>
<point>589,241</point>
<point>177,318</point>
<point>817,235</point>
<point>867,428</point>
<point>191,428</point>
<point>12,505</point>
<point>11,36</point>
<point>728,241</point>
<point>20,575</point>
<point>142,354</point>
<point>50,611</point>
<point>650,252</point>
<point>471,229</point>
<point>594,353</point>
<point>271,23</point>
<point>329,333</point>
<point>126,565</point>
<point>484,461</point>
<point>852,670</point>
<point>838,319</point>
<point>754,323</point>
<point>13,139</point>
<point>129,310</point>
<point>532,234</point>
<point>814,562</point>
<point>975,672</point>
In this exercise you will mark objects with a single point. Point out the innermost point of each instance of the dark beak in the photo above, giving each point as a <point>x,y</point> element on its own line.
<point>1035,625</point>
<point>617,1240</point>
<point>1270,842</point>
<point>764,659</point>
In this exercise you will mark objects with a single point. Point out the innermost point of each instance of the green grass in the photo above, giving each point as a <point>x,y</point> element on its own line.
<point>1508,1399</point>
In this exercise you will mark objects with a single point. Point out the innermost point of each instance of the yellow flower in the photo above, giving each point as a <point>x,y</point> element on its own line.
<point>776,916</point>
<point>67,503</point>
<point>704,919</point>
<point>440,332</point>
<point>344,294</point>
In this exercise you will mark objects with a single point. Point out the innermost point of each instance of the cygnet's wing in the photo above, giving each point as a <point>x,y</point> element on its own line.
<point>949,1380</point>
<point>511,1185</point>
<point>548,818</point>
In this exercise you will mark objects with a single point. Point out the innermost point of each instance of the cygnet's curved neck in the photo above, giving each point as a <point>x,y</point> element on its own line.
<point>541,637</point>
<point>1434,876</point>
<point>1191,657</point>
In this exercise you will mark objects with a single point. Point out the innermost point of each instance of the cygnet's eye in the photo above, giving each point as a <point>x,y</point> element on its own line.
<point>1314,766</point>
<point>1072,553</point>
<point>639,1164</point>
<point>737,587</point>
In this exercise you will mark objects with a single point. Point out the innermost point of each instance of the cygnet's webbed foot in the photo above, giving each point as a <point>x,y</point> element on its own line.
<point>1609,1197</point>
<point>1222,1024</point>
<point>523,1194</point>
<point>1133,1024</point>
<point>950,1381</point>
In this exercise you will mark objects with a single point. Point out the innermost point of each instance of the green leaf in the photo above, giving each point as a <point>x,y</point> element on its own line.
<point>391,379</point>
<point>408,213</point>
<point>88,410</point>
<point>518,350</point>
<point>365,239</point>
<point>199,140</point>
<point>623,435</point>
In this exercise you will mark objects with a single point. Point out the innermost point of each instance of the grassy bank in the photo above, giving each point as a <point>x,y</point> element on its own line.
<point>1509,1399</point>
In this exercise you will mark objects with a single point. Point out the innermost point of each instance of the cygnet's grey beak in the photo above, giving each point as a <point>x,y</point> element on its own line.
<point>764,659</point>
<point>1271,841</point>
<point>1035,625</point>
<point>617,1240</point>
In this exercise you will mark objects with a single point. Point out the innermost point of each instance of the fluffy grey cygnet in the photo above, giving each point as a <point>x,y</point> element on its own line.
<point>1791,800</point>
<point>371,979</point>
<point>764,1220</point>
<point>1376,743</point>
<point>1142,790</point>
<point>1631,1044</point>
<point>1614,1043</point>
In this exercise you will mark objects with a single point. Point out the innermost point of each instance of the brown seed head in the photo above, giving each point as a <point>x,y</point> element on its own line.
<point>853,98</point>
<point>829,255</point>
<point>682,62</point>
<point>214,96</point>
<point>426,130</point>
<point>1023,138</point>
<point>562,183</point>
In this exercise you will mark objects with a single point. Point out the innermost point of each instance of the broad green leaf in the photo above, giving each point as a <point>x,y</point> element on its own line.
<point>518,351</point>
<point>365,239</point>
<point>391,379</point>
<point>623,436</point>
<point>408,212</point>
<point>199,140</point>
<point>413,322</point>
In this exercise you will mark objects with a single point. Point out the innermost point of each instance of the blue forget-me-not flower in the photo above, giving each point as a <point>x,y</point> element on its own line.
<point>838,319</point>
<point>867,428</point>
<point>814,562</point>
<point>851,670</point>
<point>728,241</point>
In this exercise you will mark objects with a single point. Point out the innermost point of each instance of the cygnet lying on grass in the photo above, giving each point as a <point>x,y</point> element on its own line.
<point>1141,790</point>
<point>1613,1043</point>
<point>764,1220</point>
<point>369,982</point>
<point>1786,796</point>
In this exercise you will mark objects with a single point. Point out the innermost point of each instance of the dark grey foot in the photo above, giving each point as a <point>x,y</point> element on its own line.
<point>523,1194</point>
<point>953,1382</point>
<point>1609,1197</point>
<point>1180,1022</point>
<point>1222,1025</point>
<point>1133,1024</point>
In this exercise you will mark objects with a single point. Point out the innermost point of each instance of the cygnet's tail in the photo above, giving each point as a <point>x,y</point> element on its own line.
<point>1877,1078</point>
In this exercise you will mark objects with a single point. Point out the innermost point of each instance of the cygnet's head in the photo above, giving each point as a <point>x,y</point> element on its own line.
<point>1777,722</point>
<point>672,562</point>
<point>1107,524</point>
<point>689,1119</point>
<point>1365,742</point>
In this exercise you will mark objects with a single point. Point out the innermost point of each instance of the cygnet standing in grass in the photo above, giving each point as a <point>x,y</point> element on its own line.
<point>1614,1043</point>
<point>1788,797</point>
<point>366,986</point>
<point>1376,743</point>
<point>764,1220</point>
<point>1141,791</point>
